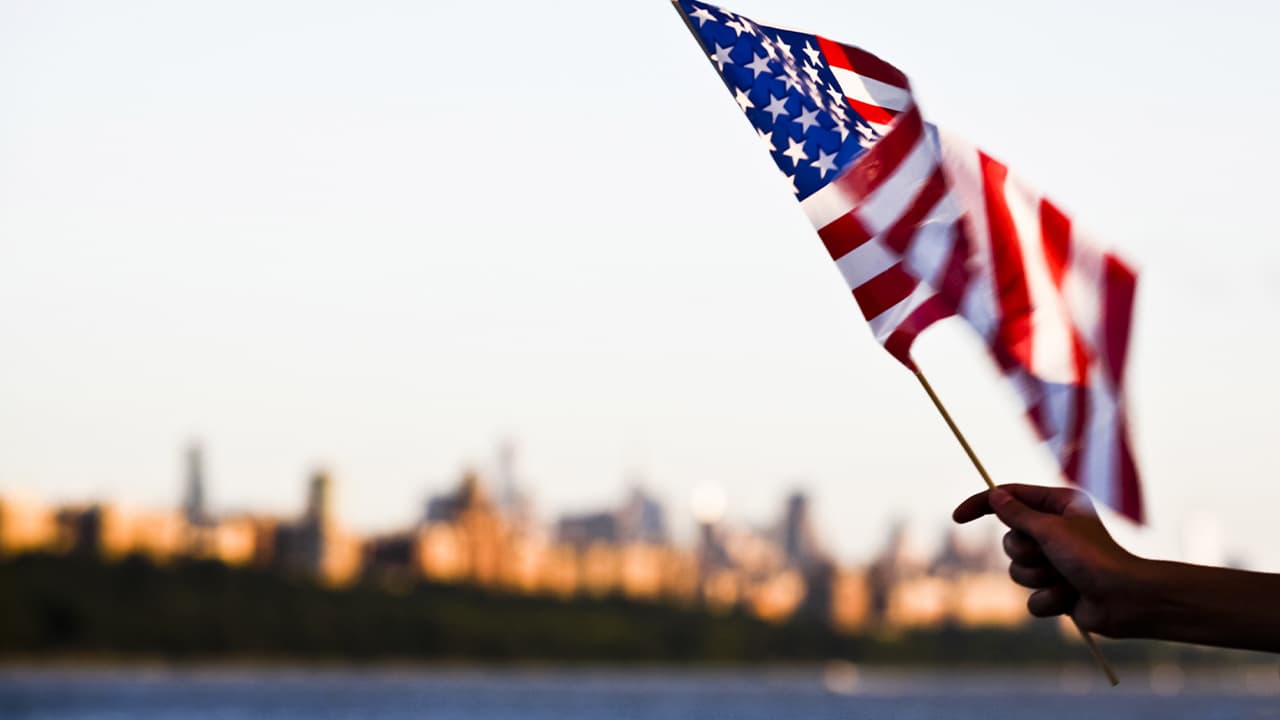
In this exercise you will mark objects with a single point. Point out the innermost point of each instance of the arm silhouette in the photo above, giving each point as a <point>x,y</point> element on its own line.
<point>1059,548</point>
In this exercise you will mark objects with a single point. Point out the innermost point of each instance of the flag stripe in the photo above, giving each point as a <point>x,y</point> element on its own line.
<point>873,114</point>
<point>873,168</point>
<point>843,235</point>
<point>898,237</point>
<point>883,291</point>
<point>868,65</point>
<point>1120,285</point>
<point>869,91</point>
<point>886,203</point>
<point>1006,259</point>
<point>866,262</point>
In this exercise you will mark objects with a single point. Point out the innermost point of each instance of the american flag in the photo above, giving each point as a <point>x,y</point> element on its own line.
<point>923,226</point>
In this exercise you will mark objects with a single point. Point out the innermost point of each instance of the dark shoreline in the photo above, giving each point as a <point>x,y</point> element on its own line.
<point>63,610</point>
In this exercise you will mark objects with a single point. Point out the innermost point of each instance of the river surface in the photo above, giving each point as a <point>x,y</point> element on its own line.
<point>838,691</point>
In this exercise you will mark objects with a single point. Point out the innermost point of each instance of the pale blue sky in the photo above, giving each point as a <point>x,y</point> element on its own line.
<point>382,236</point>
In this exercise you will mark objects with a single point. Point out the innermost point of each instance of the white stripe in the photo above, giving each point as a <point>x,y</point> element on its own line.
<point>964,176</point>
<point>827,205</point>
<point>886,322</point>
<point>871,91</point>
<point>882,208</point>
<point>1052,347</point>
<point>1024,386</point>
<point>1083,288</point>
<point>931,246</point>
<point>865,262</point>
<point>1098,471</point>
<point>1058,410</point>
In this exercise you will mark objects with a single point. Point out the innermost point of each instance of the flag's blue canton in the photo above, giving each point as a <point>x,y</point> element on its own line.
<point>781,81</point>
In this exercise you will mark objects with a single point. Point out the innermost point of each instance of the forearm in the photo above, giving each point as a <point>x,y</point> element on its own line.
<point>1204,605</point>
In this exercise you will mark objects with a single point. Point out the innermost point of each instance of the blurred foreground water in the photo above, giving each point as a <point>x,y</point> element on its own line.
<point>836,691</point>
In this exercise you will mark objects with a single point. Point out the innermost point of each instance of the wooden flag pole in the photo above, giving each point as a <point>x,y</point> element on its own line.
<point>986,477</point>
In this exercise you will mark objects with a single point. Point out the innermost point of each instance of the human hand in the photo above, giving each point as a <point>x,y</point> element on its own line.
<point>1059,547</point>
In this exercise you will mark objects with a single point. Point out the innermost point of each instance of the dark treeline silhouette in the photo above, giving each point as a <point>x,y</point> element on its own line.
<point>54,606</point>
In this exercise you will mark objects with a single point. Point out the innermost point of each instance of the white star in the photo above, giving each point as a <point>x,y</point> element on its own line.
<point>844,131</point>
<point>835,93</point>
<point>865,141</point>
<point>769,49</point>
<point>776,107</point>
<point>744,102</point>
<point>767,139</point>
<point>735,26</point>
<point>721,56</point>
<point>807,119</point>
<point>748,25</point>
<point>703,15</point>
<point>812,53</point>
<point>792,81</point>
<point>782,46</point>
<point>795,151</point>
<point>759,66</point>
<point>866,131</point>
<point>812,72</point>
<point>791,179</point>
<point>825,163</point>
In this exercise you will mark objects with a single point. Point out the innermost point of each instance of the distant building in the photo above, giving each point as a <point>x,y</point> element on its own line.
<point>467,537</point>
<point>963,584</point>
<point>641,519</point>
<point>193,504</point>
<point>799,539</point>
<point>112,532</point>
<point>314,545</point>
<point>25,526</point>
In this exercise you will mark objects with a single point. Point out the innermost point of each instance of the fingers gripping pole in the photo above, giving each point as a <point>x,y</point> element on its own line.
<point>986,477</point>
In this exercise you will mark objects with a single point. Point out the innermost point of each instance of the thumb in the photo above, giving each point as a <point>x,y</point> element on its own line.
<point>1014,513</point>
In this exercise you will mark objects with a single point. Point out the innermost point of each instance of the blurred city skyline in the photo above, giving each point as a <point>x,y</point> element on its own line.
<point>380,241</point>
<point>485,532</point>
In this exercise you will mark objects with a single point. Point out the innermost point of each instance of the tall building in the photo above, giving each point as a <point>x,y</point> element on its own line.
<point>320,500</point>
<point>315,545</point>
<point>799,540</point>
<point>193,504</point>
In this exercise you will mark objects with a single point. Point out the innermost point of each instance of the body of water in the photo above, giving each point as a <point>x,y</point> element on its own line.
<point>838,691</point>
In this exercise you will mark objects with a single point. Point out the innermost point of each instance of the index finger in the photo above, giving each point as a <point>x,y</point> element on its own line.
<point>974,507</point>
<point>1040,498</point>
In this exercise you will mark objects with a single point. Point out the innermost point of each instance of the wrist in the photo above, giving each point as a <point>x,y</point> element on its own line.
<point>1136,598</point>
<point>1148,599</point>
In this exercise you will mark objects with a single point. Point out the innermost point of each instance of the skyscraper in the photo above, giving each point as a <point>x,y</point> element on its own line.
<point>320,500</point>
<point>193,504</point>
<point>799,539</point>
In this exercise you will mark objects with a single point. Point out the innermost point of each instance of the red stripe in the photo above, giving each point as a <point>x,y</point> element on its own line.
<point>843,235</point>
<point>1119,284</point>
<point>954,282</point>
<point>1130,492</point>
<point>884,291</point>
<point>864,63</point>
<point>898,237</point>
<point>930,311</point>
<point>1015,329</point>
<point>872,113</point>
<point>834,53</point>
<point>1055,230</point>
<point>876,165</point>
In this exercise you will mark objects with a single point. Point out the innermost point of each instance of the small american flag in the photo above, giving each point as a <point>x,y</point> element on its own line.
<point>923,226</point>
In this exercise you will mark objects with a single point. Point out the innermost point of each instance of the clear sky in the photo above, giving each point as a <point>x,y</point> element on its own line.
<point>383,236</point>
